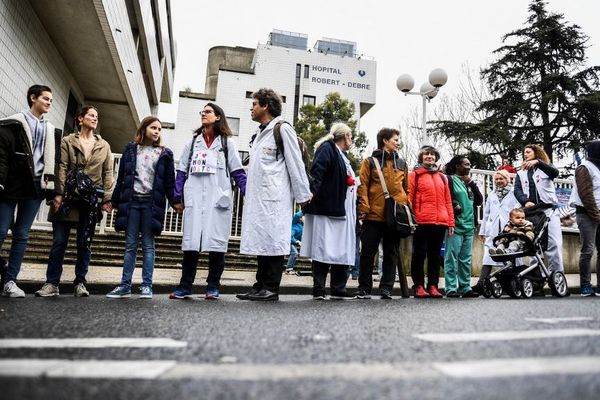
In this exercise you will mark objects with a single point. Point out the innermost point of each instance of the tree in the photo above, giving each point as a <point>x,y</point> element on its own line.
<point>316,120</point>
<point>540,90</point>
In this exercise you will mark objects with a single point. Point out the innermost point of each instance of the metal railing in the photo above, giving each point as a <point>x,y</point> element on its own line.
<point>173,222</point>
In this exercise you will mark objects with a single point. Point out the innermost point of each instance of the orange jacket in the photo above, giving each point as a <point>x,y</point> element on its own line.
<point>371,201</point>
<point>431,200</point>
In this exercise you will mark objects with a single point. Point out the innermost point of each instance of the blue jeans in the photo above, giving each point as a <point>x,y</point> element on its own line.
<point>27,209</point>
<point>139,222</point>
<point>61,231</point>
<point>293,256</point>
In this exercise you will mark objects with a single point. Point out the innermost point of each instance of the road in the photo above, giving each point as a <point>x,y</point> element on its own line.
<point>299,349</point>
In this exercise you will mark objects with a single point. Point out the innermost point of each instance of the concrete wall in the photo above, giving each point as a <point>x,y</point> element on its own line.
<point>27,57</point>
<point>571,252</point>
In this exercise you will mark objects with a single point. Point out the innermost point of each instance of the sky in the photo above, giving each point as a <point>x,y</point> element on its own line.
<point>411,37</point>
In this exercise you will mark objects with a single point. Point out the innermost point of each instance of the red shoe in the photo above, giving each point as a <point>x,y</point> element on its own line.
<point>420,292</point>
<point>434,292</point>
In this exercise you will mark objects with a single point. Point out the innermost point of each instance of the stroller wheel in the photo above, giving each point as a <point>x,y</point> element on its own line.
<point>486,288</point>
<point>526,288</point>
<point>558,284</point>
<point>496,289</point>
<point>514,289</point>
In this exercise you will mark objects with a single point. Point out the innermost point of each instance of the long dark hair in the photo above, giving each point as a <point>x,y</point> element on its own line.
<point>141,131</point>
<point>453,163</point>
<point>221,126</point>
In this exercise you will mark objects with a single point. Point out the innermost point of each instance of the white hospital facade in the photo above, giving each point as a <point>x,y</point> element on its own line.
<point>299,74</point>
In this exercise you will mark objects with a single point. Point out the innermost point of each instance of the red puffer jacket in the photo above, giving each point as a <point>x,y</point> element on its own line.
<point>431,200</point>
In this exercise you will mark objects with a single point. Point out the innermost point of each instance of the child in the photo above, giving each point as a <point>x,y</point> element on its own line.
<point>295,242</point>
<point>517,224</point>
<point>146,176</point>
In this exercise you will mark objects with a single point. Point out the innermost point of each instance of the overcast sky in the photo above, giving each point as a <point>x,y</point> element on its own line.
<point>402,36</point>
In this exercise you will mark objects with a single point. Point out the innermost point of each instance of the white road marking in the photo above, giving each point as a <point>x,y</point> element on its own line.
<point>92,369</point>
<point>171,370</point>
<point>558,320</point>
<point>499,368</point>
<point>89,343</point>
<point>505,335</point>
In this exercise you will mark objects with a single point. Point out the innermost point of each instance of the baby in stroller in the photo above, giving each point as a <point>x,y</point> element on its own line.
<point>517,225</point>
<point>531,242</point>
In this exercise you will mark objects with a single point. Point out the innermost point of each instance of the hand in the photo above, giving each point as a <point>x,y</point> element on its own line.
<point>178,207</point>
<point>482,238</point>
<point>107,207</point>
<point>529,164</point>
<point>57,202</point>
<point>362,216</point>
<point>450,231</point>
<point>529,204</point>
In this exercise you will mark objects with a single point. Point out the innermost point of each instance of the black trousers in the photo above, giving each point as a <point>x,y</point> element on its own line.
<point>372,233</point>
<point>337,283</point>
<point>216,265</point>
<point>427,243</point>
<point>268,273</point>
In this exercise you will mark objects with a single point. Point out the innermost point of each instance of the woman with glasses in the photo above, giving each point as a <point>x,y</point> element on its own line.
<point>204,195</point>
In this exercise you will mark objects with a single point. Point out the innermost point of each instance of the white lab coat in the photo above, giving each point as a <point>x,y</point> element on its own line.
<point>208,199</point>
<point>271,188</point>
<point>495,216</point>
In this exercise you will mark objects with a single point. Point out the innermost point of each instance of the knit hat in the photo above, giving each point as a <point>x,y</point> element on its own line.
<point>504,173</point>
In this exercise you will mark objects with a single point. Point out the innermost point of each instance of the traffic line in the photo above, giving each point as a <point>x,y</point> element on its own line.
<point>171,370</point>
<point>559,320</point>
<point>91,369</point>
<point>89,343</point>
<point>500,368</point>
<point>505,335</point>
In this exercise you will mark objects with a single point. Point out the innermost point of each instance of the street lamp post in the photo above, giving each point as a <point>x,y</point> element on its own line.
<point>437,78</point>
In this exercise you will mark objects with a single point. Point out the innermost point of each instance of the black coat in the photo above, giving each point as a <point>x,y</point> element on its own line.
<point>328,182</point>
<point>16,162</point>
<point>164,183</point>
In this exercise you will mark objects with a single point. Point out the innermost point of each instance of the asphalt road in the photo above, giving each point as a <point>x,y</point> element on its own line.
<point>300,349</point>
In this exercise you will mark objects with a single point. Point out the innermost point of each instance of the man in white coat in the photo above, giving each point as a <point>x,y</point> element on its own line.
<point>275,178</point>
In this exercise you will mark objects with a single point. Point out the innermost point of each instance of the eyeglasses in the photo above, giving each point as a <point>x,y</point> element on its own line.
<point>206,112</point>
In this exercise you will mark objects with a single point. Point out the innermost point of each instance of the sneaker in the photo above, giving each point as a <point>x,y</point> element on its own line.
<point>319,297</point>
<point>361,294</point>
<point>212,294</point>
<point>452,294</point>
<point>341,296</point>
<point>145,292</point>
<point>434,292</point>
<point>420,292</point>
<point>385,295</point>
<point>120,292</point>
<point>180,294</point>
<point>493,251</point>
<point>81,291</point>
<point>289,271</point>
<point>500,251</point>
<point>470,295</point>
<point>586,291</point>
<point>12,290</point>
<point>47,290</point>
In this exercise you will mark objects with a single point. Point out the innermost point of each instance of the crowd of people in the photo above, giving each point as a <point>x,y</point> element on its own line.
<point>323,213</point>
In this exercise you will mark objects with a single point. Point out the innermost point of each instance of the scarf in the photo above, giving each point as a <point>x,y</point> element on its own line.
<point>428,168</point>
<point>502,192</point>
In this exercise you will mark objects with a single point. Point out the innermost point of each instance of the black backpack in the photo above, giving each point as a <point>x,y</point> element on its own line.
<point>301,145</point>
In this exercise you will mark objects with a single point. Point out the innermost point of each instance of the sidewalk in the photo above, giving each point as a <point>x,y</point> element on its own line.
<point>101,280</point>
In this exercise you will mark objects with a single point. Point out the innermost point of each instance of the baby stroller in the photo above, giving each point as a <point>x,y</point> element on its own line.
<point>524,280</point>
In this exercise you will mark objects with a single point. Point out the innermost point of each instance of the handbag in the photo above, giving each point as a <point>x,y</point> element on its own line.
<point>398,217</point>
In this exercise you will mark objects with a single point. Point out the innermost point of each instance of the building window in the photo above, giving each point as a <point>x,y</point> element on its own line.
<point>283,99</point>
<point>234,125</point>
<point>312,100</point>
<point>306,71</point>
<point>248,94</point>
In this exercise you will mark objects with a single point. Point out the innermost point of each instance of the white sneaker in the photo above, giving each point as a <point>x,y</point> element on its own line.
<point>48,290</point>
<point>81,291</point>
<point>12,290</point>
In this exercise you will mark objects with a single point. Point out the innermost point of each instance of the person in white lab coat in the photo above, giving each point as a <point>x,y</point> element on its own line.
<point>498,205</point>
<point>329,237</point>
<point>276,176</point>
<point>203,193</point>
